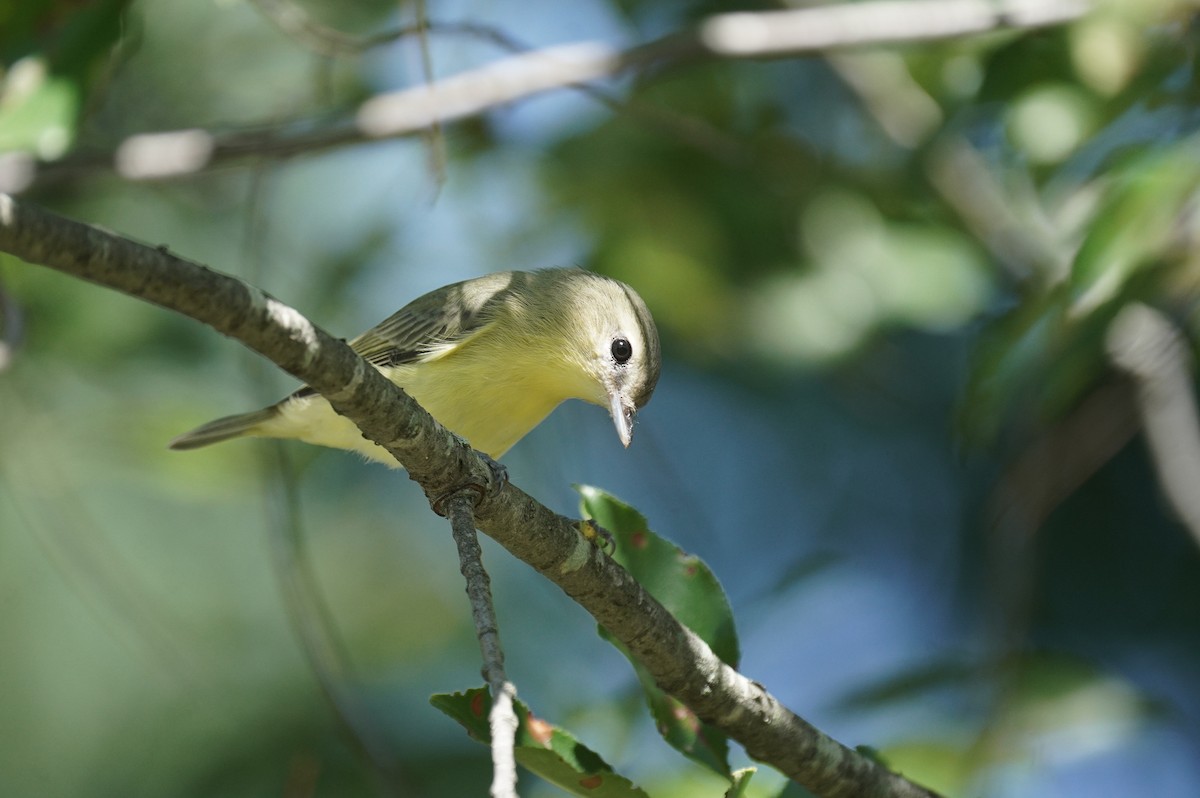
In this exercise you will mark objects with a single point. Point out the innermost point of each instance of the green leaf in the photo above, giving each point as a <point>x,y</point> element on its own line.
<point>681,582</point>
<point>1036,363</point>
<point>41,116</point>
<point>52,55</point>
<point>542,748</point>
<point>1138,224</point>
<point>687,588</point>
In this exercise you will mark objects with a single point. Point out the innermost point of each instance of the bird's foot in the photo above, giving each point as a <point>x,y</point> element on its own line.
<point>497,479</point>
<point>499,473</point>
<point>597,535</point>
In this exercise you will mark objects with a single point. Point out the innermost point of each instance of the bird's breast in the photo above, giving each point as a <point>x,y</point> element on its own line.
<point>492,402</point>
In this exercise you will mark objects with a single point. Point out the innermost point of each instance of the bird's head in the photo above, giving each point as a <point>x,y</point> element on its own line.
<point>622,356</point>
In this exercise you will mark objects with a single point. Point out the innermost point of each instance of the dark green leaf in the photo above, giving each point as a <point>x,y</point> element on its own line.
<point>52,54</point>
<point>681,582</point>
<point>1138,223</point>
<point>684,585</point>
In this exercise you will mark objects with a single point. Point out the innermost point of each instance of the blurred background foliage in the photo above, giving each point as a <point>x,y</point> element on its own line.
<point>885,279</point>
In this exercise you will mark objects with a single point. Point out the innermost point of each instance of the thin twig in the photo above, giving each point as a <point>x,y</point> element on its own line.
<point>435,136</point>
<point>331,42</point>
<point>502,718</point>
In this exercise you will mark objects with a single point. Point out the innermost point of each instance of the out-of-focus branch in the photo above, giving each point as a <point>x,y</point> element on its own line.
<point>745,35</point>
<point>682,664</point>
<point>771,33</point>
<point>1052,467</point>
<point>330,42</point>
<point>1144,344</point>
<point>1020,242</point>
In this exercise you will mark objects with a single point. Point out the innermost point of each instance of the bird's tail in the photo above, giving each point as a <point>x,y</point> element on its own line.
<point>225,428</point>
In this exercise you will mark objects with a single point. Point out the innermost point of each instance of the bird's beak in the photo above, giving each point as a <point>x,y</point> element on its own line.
<point>622,415</point>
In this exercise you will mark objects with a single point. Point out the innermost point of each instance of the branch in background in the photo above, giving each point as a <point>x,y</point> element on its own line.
<point>765,34</point>
<point>332,43</point>
<point>1013,229</point>
<point>502,718</point>
<point>681,663</point>
<point>1148,347</point>
<point>723,36</point>
<point>435,136</point>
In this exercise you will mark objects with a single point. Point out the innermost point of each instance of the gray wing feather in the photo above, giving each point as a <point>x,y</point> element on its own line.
<point>435,322</point>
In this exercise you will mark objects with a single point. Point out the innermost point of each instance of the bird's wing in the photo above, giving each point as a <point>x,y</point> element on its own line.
<point>436,323</point>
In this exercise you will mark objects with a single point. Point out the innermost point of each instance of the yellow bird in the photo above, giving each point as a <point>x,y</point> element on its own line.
<point>489,358</point>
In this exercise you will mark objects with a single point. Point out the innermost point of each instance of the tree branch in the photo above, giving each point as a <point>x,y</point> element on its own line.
<point>681,663</point>
<point>744,35</point>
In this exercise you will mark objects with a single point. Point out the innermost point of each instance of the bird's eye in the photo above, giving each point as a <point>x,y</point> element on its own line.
<point>622,350</point>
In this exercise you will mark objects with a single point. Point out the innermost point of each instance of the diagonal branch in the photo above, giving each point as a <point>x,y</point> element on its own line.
<point>681,663</point>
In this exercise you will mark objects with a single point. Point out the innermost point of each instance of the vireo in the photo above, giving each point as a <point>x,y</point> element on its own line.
<point>489,358</point>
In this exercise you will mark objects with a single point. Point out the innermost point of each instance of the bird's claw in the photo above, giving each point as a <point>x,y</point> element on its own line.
<point>497,479</point>
<point>499,472</point>
<point>597,535</point>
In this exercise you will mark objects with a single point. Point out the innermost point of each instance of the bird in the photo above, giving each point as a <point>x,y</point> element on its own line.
<point>489,358</point>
